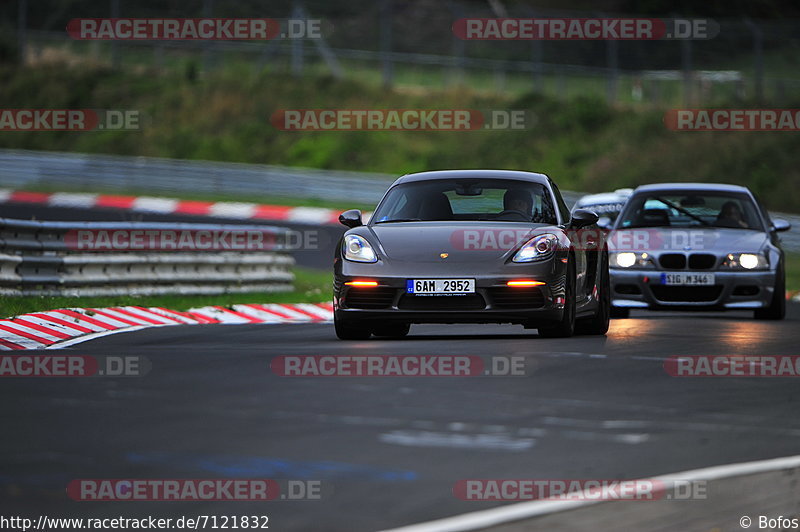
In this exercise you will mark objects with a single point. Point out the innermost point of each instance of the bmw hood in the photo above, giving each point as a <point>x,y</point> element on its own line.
<point>718,241</point>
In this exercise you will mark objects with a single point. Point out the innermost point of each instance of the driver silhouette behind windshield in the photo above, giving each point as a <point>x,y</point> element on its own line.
<point>518,200</point>
<point>731,216</point>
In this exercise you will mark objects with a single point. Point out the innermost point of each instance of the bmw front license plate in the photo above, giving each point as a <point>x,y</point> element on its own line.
<point>440,286</point>
<point>688,279</point>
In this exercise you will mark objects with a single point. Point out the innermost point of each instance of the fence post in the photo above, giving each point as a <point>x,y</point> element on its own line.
<point>22,29</point>
<point>208,11</point>
<point>385,13</point>
<point>459,47</point>
<point>758,57</point>
<point>297,44</point>
<point>686,66</point>
<point>537,68</point>
<point>612,65</point>
<point>114,44</point>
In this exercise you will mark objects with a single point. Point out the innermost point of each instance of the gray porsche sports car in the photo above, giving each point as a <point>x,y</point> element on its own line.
<point>471,246</point>
<point>697,247</point>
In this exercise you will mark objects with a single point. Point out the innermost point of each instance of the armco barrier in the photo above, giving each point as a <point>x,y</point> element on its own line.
<point>36,258</point>
<point>24,169</point>
<point>733,495</point>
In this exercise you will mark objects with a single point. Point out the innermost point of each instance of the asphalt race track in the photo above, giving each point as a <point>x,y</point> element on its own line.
<point>389,450</point>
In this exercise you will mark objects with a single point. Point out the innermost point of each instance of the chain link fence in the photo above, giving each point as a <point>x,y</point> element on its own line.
<point>411,43</point>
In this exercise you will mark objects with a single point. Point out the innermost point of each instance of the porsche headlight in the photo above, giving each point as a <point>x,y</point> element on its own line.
<point>357,249</point>
<point>538,248</point>
<point>629,259</point>
<point>746,261</point>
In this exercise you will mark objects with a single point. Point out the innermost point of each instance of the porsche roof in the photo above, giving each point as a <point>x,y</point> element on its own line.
<point>473,174</point>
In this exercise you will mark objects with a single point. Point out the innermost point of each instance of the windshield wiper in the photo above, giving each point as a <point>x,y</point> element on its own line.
<point>684,211</point>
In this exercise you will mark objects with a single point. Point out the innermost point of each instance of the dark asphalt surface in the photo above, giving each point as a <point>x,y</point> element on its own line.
<point>388,450</point>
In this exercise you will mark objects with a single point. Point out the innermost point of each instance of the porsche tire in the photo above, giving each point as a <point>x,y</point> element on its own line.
<point>349,330</point>
<point>394,330</point>
<point>564,328</point>
<point>598,324</point>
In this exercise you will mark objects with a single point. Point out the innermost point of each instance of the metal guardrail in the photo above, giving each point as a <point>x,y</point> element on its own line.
<point>21,168</point>
<point>26,169</point>
<point>32,169</point>
<point>41,258</point>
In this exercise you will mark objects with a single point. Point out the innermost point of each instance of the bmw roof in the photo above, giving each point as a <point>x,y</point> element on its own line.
<point>711,187</point>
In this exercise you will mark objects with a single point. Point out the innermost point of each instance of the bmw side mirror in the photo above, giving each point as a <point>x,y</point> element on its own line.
<point>351,218</point>
<point>781,225</point>
<point>583,217</point>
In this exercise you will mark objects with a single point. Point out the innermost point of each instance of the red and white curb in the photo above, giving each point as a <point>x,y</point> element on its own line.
<point>793,295</point>
<point>63,327</point>
<point>152,204</point>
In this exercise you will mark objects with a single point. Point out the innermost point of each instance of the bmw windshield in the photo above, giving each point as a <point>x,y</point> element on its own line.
<point>691,209</point>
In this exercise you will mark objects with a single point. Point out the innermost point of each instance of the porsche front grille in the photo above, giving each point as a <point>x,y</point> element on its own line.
<point>466,302</point>
<point>513,297</point>
<point>370,298</point>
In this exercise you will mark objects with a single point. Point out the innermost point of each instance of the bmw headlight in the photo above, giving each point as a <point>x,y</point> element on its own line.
<point>538,248</point>
<point>746,261</point>
<point>357,249</point>
<point>630,260</point>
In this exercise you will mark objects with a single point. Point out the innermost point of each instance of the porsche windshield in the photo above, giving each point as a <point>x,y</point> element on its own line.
<point>468,199</point>
<point>690,209</point>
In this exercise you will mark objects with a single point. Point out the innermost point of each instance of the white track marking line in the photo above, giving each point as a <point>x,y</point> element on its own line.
<point>233,210</point>
<point>153,204</point>
<point>68,199</point>
<point>94,336</point>
<point>527,510</point>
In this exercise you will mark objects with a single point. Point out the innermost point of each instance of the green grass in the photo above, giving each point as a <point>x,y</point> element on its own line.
<point>310,286</point>
<point>582,142</point>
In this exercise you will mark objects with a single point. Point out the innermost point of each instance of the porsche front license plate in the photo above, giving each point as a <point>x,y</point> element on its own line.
<point>688,279</point>
<point>440,286</point>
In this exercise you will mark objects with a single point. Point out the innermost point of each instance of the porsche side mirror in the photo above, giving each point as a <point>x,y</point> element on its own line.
<point>583,217</point>
<point>351,218</point>
<point>781,225</point>
<point>604,222</point>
